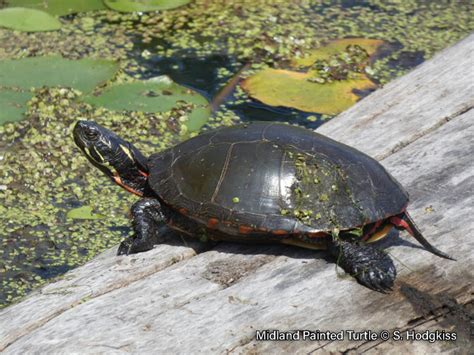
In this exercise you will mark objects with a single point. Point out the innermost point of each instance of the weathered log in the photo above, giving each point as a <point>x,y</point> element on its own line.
<point>193,298</point>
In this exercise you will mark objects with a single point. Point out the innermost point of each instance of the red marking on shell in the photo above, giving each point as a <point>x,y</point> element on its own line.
<point>400,223</point>
<point>243,229</point>
<point>212,223</point>
<point>279,232</point>
<point>183,211</point>
<point>316,234</point>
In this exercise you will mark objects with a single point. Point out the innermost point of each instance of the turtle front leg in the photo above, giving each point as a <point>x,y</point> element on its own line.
<point>370,266</point>
<point>147,219</point>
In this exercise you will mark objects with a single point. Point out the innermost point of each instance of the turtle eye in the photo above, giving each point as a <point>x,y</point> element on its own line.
<point>91,134</point>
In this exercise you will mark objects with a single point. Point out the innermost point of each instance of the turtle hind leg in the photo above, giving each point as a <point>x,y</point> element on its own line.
<point>147,219</point>
<point>370,266</point>
<point>404,221</point>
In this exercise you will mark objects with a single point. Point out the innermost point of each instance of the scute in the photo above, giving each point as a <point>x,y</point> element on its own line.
<point>272,177</point>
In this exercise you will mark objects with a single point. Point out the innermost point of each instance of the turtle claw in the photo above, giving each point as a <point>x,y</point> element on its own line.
<point>124,247</point>
<point>133,245</point>
<point>377,279</point>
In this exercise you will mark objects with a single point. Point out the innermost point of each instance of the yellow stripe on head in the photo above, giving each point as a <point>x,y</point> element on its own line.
<point>98,153</point>
<point>127,151</point>
<point>88,153</point>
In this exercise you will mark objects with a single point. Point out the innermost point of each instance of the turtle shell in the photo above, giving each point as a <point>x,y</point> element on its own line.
<point>268,177</point>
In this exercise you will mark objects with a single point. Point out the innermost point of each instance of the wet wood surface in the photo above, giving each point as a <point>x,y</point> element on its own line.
<point>197,298</point>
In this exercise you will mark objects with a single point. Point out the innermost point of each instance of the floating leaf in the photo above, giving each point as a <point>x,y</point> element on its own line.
<point>156,95</point>
<point>292,89</point>
<point>197,118</point>
<point>336,72</point>
<point>13,105</point>
<point>144,5</point>
<point>84,74</point>
<point>84,212</point>
<point>28,20</point>
<point>337,46</point>
<point>60,7</point>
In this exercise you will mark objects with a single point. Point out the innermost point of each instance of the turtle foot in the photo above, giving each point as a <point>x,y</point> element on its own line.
<point>378,277</point>
<point>147,220</point>
<point>370,266</point>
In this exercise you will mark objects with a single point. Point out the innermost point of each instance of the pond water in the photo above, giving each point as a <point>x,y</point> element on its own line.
<point>201,46</point>
<point>200,73</point>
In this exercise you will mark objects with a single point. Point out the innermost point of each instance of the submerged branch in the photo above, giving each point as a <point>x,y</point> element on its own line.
<point>227,89</point>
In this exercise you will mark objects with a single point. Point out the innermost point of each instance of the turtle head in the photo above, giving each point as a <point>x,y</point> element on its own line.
<point>115,157</point>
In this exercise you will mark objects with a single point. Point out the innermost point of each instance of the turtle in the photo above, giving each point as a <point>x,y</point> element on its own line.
<point>261,182</point>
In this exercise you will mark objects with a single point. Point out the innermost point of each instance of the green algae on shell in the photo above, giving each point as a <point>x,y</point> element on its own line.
<point>320,190</point>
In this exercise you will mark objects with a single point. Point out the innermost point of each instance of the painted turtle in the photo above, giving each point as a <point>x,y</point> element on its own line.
<point>261,182</point>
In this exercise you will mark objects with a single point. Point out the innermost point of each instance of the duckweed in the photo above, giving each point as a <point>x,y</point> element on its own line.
<point>45,176</point>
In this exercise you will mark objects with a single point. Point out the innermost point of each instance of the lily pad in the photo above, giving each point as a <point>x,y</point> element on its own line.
<point>13,104</point>
<point>156,95</point>
<point>144,5</point>
<point>84,212</point>
<point>337,46</point>
<point>84,74</point>
<point>60,7</point>
<point>292,89</point>
<point>28,20</point>
<point>336,71</point>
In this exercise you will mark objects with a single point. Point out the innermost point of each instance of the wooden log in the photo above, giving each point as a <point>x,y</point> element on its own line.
<point>188,299</point>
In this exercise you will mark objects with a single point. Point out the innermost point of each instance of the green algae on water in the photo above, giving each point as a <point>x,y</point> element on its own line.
<point>44,176</point>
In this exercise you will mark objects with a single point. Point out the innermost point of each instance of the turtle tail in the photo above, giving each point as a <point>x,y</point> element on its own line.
<point>404,221</point>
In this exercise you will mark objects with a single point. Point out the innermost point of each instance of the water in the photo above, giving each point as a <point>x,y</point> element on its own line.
<point>201,74</point>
